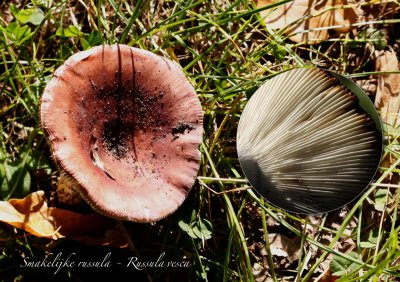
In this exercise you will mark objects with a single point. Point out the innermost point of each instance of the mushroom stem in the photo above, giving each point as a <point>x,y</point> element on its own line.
<point>67,192</point>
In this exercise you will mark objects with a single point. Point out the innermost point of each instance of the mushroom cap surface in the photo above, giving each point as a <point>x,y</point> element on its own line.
<point>309,141</point>
<point>126,124</point>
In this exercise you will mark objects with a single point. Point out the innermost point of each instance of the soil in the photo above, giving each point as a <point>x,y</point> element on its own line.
<point>137,110</point>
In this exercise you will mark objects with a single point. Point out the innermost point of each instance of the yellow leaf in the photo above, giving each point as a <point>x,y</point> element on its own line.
<point>30,214</point>
<point>33,215</point>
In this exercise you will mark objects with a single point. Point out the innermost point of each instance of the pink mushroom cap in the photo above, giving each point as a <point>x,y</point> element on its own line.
<point>126,124</point>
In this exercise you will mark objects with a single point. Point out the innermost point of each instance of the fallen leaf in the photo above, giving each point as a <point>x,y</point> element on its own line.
<point>30,214</point>
<point>282,246</point>
<point>261,274</point>
<point>259,271</point>
<point>387,99</point>
<point>302,15</point>
<point>33,215</point>
<point>372,10</point>
<point>368,85</point>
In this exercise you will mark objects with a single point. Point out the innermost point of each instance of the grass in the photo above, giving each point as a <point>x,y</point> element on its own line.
<point>226,52</point>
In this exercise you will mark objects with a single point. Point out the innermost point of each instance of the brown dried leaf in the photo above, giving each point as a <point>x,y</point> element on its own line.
<point>282,246</point>
<point>372,10</point>
<point>322,15</point>
<point>387,98</point>
<point>34,216</point>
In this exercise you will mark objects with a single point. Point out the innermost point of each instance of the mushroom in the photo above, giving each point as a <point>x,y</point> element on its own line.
<point>126,125</point>
<point>309,140</point>
<point>66,191</point>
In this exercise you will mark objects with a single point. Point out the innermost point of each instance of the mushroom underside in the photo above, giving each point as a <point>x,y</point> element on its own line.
<point>306,144</point>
